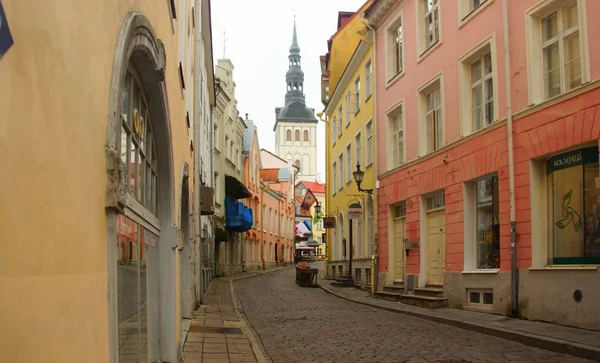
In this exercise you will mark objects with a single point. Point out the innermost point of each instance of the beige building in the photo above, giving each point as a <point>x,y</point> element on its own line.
<point>229,129</point>
<point>97,108</point>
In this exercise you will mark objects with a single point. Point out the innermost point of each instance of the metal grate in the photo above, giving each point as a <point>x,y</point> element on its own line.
<point>214,330</point>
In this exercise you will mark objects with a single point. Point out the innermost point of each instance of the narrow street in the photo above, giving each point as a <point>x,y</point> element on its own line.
<point>309,325</point>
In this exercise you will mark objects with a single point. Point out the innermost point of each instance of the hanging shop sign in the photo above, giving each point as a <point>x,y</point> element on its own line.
<point>328,222</point>
<point>355,211</point>
<point>6,40</point>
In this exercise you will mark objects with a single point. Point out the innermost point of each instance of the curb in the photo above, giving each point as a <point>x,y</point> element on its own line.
<point>247,330</point>
<point>260,273</point>
<point>533,340</point>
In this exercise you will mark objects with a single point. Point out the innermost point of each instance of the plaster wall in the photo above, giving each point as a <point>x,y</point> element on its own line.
<point>53,122</point>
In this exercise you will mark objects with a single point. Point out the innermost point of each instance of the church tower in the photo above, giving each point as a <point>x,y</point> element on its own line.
<point>295,124</point>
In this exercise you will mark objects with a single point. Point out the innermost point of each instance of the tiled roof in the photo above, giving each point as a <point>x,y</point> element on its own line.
<point>315,187</point>
<point>269,174</point>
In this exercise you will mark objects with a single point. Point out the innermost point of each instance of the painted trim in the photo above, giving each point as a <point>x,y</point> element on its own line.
<point>463,6</point>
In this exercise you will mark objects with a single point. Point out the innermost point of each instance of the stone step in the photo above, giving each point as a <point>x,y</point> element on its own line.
<point>399,289</point>
<point>421,301</point>
<point>429,291</point>
<point>343,283</point>
<point>389,296</point>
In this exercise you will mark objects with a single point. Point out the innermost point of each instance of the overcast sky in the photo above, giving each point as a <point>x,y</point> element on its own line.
<point>258,35</point>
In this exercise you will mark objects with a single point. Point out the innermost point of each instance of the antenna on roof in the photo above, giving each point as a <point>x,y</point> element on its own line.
<point>224,45</point>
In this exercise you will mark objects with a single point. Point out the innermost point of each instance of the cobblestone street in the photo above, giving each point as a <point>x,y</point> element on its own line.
<point>308,325</point>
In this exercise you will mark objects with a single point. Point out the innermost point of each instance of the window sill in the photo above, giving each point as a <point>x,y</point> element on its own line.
<point>566,268</point>
<point>473,13</point>
<point>394,79</point>
<point>429,50</point>
<point>368,97</point>
<point>369,165</point>
<point>483,272</point>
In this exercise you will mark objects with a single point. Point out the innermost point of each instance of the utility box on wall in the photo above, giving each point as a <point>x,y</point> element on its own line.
<point>207,201</point>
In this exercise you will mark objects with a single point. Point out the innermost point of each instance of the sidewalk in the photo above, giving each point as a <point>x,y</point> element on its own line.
<point>218,332</point>
<point>576,342</point>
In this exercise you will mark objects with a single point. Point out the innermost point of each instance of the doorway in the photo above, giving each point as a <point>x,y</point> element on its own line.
<point>436,251</point>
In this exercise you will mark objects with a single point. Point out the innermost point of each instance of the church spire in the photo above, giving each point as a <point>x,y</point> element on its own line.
<point>294,76</point>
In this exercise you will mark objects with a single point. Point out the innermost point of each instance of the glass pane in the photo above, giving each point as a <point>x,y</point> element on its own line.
<point>126,99</point>
<point>488,228</point>
<point>430,132</point>
<point>592,209</point>
<point>567,209</point>
<point>551,70</point>
<point>438,128</point>
<point>572,61</point>
<point>132,168</point>
<point>489,101</point>
<point>487,63</point>
<point>549,26</point>
<point>129,284</point>
<point>476,71</point>
<point>124,146</point>
<point>474,298</point>
<point>477,96</point>
<point>569,16</point>
<point>488,298</point>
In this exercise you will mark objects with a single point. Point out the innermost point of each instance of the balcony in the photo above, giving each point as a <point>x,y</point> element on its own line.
<point>238,217</point>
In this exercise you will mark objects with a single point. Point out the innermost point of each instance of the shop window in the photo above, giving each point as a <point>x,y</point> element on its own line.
<point>488,227</point>
<point>573,203</point>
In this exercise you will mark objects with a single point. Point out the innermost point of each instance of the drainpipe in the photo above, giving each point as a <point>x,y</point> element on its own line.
<point>514,273</point>
<point>197,124</point>
<point>262,223</point>
<point>375,257</point>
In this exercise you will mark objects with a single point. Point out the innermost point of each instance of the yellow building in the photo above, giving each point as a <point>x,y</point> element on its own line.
<point>350,142</point>
<point>97,140</point>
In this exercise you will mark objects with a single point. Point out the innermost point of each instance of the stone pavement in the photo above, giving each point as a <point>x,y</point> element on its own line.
<point>295,324</point>
<point>218,332</point>
<point>577,342</point>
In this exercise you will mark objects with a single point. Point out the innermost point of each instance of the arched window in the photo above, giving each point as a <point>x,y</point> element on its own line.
<point>297,135</point>
<point>138,149</point>
<point>305,135</point>
<point>288,135</point>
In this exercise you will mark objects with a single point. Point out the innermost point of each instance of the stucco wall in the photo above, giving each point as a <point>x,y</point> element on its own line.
<point>53,131</point>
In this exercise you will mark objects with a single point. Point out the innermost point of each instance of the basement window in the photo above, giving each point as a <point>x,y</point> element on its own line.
<point>481,298</point>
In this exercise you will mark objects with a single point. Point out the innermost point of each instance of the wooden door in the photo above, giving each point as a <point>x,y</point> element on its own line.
<point>399,249</point>
<point>436,254</point>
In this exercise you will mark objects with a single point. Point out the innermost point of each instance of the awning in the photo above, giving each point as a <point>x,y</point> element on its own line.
<point>235,188</point>
<point>220,235</point>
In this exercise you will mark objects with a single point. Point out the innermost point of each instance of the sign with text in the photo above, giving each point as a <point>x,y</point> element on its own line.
<point>150,239</point>
<point>6,40</point>
<point>328,222</point>
<point>355,211</point>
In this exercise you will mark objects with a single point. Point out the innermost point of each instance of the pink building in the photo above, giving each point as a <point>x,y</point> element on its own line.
<point>445,166</point>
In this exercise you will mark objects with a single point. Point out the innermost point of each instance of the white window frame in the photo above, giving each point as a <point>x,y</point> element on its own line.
<point>470,226</point>
<point>425,49</point>
<point>348,104</point>
<point>348,163</point>
<point>333,131</point>
<point>340,118</point>
<point>341,170</point>
<point>391,116</point>
<point>368,76</point>
<point>358,147</point>
<point>390,49</point>
<point>357,94</point>
<point>534,51</point>
<point>334,178</point>
<point>488,45</point>
<point>369,143</point>
<point>436,82</point>
<point>466,12</point>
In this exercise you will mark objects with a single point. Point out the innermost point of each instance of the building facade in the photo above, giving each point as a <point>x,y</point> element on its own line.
<point>295,124</point>
<point>229,129</point>
<point>350,144</point>
<point>107,248</point>
<point>492,203</point>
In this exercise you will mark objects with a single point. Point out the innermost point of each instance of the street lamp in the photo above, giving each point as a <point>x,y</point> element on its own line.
<point>317,208</point>
<point>358,178</point>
